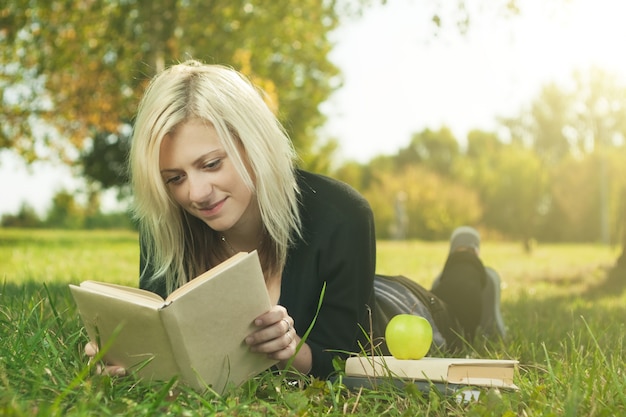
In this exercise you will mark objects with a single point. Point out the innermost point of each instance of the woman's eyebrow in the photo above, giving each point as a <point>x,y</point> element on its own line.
<point>198,161</point>
<point>211,154</point>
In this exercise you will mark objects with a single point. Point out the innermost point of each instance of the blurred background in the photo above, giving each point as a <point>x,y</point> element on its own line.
<point>508,115</point>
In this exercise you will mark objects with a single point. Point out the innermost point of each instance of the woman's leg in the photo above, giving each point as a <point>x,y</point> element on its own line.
<point>472,293</point>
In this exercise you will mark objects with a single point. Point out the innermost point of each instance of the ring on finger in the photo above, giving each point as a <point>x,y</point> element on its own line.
<point>288,325</point>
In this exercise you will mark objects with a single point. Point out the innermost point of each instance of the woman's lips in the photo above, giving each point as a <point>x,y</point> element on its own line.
<point>212,210</point>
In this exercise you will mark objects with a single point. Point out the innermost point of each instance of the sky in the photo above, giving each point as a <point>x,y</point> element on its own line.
<point>398,80</point>
<point>397,83</point>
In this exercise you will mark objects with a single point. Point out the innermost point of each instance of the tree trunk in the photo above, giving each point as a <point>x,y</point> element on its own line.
<point>621,261</point>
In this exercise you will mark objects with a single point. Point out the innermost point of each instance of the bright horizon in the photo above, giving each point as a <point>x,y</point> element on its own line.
<point>397,84</point>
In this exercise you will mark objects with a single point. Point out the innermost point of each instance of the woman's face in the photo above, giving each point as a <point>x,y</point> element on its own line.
<point>202,178</point>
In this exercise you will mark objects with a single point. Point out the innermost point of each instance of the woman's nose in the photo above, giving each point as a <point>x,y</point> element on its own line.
<point>200,188</point>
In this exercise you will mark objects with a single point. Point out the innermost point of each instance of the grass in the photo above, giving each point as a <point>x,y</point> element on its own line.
<point>564,308</point>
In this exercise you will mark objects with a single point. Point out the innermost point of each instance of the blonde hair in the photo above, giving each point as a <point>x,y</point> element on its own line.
<point>177,245</point>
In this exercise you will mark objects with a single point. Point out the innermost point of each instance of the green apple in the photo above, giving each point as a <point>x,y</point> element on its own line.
<point>408,336</point>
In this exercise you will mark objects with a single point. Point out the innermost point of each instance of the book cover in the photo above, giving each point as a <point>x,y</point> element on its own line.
<point>475,372</point>
<point>197,333</point>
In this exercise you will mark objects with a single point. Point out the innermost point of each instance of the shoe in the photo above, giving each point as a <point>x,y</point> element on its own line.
<point>491,323</point>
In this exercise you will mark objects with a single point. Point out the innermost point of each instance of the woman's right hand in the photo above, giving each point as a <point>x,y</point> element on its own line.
<point>91,349</point>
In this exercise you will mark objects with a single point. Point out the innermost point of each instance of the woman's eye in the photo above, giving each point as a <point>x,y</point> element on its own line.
<point>213,164</point>
<point>174,180</point>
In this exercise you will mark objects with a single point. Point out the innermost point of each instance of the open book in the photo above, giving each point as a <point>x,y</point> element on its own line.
<point>475,372</point>
<point>196,333</point>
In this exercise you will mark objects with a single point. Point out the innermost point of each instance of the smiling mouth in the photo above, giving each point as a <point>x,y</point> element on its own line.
<point>212,209</point>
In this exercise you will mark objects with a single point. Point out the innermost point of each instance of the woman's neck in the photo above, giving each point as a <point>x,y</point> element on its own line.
<point>248,234</point>
<point>242,242</point>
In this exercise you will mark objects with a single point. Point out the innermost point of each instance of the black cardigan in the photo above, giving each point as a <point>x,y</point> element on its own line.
<point>339,249</point>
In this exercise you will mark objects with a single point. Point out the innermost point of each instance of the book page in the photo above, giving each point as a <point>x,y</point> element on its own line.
<point>496,373</point>
<point>135,295</point>
<point>206,276</point>
<point>134,332</point>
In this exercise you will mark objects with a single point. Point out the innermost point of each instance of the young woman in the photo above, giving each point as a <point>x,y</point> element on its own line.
<point>214,173</point>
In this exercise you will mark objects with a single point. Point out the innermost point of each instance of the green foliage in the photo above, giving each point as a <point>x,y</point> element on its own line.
<point>91,61</point>
<point>599,109</point>
<point>578,132</point>
<point>563,310</point>
<point>26,217</point>
<point>480,143</point>
<point>104,161</point>
<point>511,184</point>
<point>68,213</point>
<point>559,176</point>
<point>436,150</point>
<point>418,202</point>
<point>589,177</point>
<point>73,71</point>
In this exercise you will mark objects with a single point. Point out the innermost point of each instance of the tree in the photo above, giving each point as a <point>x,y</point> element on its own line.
<point>576,196</point>
<point>91,61</point>
<point>550,118</point>
<point>621,260</point>
<point>434,149</point>
<point>585,121</point>
<point>480,142</point>
<point>65,212</point>
<point>103,161</point>
<point>600,126</point>
<point>433,204</point>
<point>71,72</point>
<point>26,217</point>
<point>80,66</point>
<point>511,184</point>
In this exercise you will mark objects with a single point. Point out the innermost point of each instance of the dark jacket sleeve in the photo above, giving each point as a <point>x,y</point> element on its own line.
<point>339,251</point>
<point>348,281</point>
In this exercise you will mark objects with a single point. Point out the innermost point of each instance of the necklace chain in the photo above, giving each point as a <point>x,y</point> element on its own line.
<point>227,243</point>
<point>230,247</point>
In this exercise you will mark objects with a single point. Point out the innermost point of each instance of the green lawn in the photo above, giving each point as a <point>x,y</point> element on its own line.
<point>564,310</point>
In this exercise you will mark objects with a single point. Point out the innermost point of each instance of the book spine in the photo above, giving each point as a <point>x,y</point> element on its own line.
<point>179,345</point>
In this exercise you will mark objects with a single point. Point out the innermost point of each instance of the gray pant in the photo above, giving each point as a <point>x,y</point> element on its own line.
<point>400,295</point>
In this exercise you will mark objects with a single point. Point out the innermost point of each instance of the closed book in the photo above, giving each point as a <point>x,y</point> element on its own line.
<point>474,372</point>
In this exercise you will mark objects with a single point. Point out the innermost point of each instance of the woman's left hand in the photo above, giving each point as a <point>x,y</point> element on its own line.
<point>276,336</point>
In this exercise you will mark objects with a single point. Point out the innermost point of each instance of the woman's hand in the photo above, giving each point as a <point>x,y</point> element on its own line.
<point>91,349</point>
<point>278,339</point>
